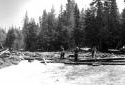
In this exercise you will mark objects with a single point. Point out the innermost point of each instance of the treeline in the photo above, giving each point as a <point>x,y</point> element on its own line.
<point>100,25</point>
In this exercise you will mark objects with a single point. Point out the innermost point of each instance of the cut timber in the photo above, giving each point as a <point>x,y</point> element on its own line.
<point>39,57</point>
<point>95,63</point>
<point>102,59</point>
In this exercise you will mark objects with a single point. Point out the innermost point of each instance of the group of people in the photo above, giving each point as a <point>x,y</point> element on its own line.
<point>62,54</point>
<point>76,51</point>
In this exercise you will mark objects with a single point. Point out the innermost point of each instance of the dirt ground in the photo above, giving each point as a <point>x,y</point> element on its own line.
<point>36,73</point>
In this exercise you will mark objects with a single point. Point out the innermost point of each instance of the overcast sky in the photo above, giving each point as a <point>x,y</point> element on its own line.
<point>12,11</point>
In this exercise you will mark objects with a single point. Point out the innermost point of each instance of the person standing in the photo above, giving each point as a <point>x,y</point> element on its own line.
<point>76,54</point>
<point>62,54</point>
<point>94,50</point>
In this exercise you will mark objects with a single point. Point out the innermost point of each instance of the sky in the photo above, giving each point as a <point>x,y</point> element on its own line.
<point>12,12</point>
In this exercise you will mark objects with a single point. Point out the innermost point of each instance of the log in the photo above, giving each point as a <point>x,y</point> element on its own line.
<point>103,59</point>
<point>95,63</point>
<point>1,53</point>
<point>44,61</point>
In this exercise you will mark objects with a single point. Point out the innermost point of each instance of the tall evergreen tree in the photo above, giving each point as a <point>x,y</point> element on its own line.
<point>76,16</point>
<point>77,31</point>
<point>90,29</point>
<point>31,39</point>
<point>30,30</point>
<point>123,27</point>
<point>69,23</point>
<point>82,28</point>
<point>62,35</point>
<point>10,38</point>
<point>48,30</point>
<point>98,5</point>
<point>18,41</point>
<point>2,37</point>
<point>25,29</point>
<point>14,39</point>
<point>114,24</point>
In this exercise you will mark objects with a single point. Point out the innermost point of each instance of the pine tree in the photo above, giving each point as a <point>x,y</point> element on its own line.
<point>43,28</point>
<point>30,31</point>
<point>47,35</point>
<point>70,6</point>
<point>62,33</point>
<point>2,37</point>
<point>69,23</point>
<point>123,27</point>
<point>76,16</point>
<point>25,30</point>
<point>52,26</point>
<point>32,35</point>
<point>18,41</point>
<point>90,29</point>
<point>11,36</point>
<point>66,25</point>
<point>98,5</point>
<point>82,28</point>
<point>77,31</point>
<point>114,23</point>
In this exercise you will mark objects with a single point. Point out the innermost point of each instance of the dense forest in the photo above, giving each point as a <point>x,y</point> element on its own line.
<point>100,25</point>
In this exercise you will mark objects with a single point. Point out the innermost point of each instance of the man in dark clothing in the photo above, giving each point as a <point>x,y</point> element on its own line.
<point>76,54</point>
<point>94,52</point>
<point>62,53</point>
<point>1,46</point>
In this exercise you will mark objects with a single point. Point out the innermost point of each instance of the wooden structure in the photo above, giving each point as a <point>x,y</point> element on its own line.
<point>106,60</point>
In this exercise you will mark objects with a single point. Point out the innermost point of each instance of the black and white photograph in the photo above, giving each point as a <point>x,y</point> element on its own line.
<point>62,42</point>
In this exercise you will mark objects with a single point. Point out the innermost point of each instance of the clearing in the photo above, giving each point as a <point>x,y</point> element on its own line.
<point>36,73</point>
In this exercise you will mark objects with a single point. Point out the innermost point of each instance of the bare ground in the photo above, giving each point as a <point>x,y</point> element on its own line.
<point>36,73</point>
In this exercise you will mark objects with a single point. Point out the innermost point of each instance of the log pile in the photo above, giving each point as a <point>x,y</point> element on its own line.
<point>101,59</point>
